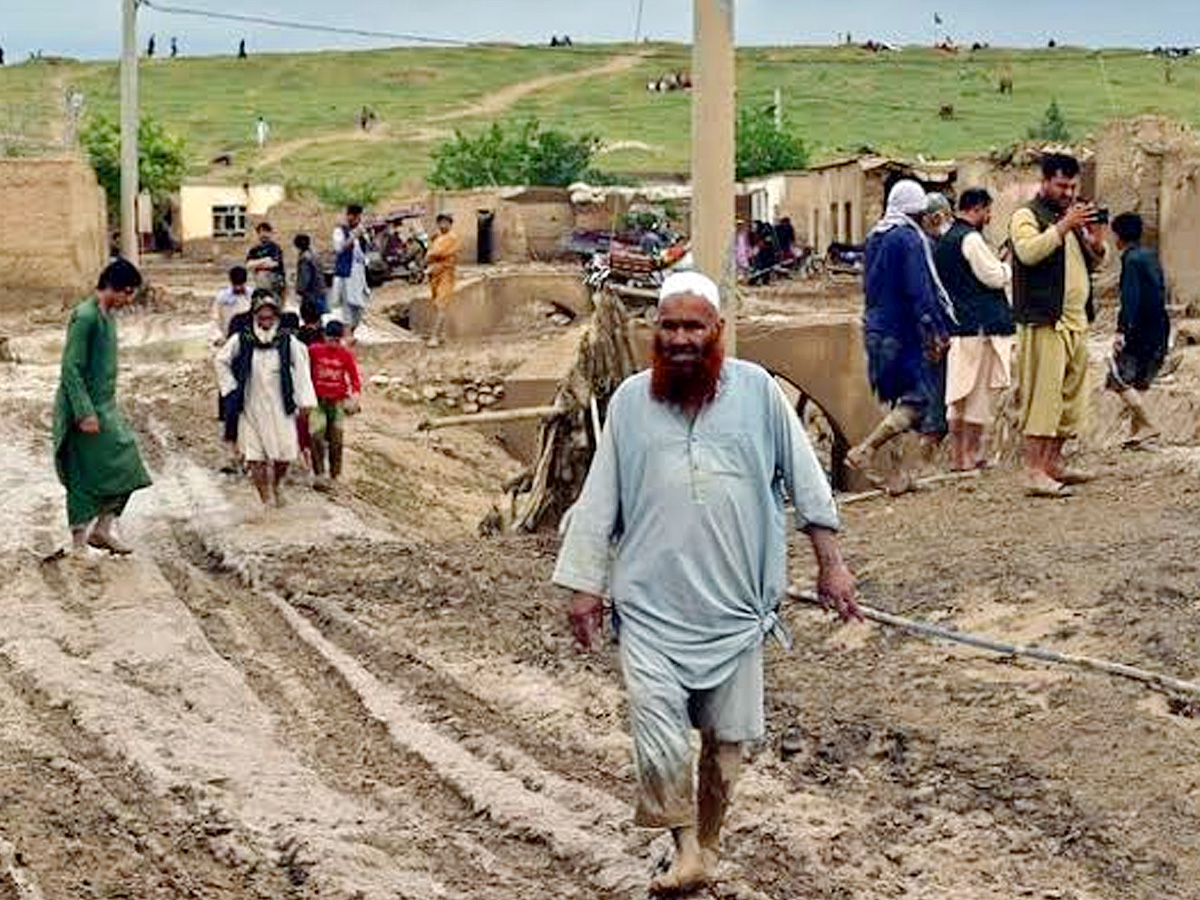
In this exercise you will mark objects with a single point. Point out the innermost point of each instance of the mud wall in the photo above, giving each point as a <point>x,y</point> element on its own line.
<point>1179,235</point>
<point>833,204</point>
<point>54,232</point>
<point>483,306</point>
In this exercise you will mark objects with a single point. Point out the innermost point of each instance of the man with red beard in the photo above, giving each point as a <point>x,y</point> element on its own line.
<point>688,483</point>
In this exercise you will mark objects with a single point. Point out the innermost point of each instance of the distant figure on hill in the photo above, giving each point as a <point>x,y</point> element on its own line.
<point>366,118</point>
<point>262,131</point>
<point>174,48</point>
<point>150,48</point>
<point>242,49</point>
<point>1,56</point>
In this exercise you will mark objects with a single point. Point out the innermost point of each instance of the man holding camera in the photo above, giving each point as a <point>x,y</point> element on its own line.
<point>1057,242</point>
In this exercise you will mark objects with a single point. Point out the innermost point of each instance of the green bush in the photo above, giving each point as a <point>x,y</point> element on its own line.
<point>762,148</point>
<point>525,155</point>
<point>162,159</point>
<point>1053,126</point>
<point>341,194</point>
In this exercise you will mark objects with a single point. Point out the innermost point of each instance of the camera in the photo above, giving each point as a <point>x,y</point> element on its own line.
<point>1100,216</point>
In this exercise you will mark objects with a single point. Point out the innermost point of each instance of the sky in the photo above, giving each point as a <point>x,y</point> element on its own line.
<point>89,29</point>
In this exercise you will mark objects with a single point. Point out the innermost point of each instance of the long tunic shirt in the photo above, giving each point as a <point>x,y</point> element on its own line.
<point>440,262</point>
<point>265,429</point>
<point>94,468</point>
<point>696,511</point>
<point>1143,317</point>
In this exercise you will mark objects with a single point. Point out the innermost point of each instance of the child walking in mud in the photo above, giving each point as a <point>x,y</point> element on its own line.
<point>337,384</point>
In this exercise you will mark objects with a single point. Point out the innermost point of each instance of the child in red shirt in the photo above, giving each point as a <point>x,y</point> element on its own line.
<point>336,381</point>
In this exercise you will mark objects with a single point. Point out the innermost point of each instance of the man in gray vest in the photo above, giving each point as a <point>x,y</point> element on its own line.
<point>980,356</point>
<point>1057,243</point>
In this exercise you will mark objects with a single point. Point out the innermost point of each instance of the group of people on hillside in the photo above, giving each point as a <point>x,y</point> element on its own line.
<point>944,310</point>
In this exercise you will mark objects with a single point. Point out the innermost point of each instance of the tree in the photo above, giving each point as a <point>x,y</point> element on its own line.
<point>1053,126</point>
<point>162,160</point>
<point>763,148</point>
<point>527,154</point>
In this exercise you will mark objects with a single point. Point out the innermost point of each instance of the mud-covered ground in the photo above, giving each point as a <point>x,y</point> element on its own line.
<point>357,696</point>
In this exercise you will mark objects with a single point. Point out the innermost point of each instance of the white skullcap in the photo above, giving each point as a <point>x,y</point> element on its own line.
<point>935,201</point>
<point>907,197</point>
<point>694,284</point>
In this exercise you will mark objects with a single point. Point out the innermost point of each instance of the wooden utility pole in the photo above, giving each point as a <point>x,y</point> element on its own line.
<point>129,131</point>
<point>713,153</point>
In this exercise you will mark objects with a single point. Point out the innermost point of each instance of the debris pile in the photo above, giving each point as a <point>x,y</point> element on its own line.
<point>467,394</point>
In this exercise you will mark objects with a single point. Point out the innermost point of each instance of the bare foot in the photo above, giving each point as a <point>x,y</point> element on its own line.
<point>1039,484</point>
<point>688,872</point>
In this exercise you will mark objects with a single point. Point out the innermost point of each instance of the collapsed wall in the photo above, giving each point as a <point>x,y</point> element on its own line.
<point>53,234</point>
<point>1148,165</point>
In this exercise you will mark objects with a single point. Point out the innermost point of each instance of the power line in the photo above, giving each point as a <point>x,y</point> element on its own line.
<point>303,26</point>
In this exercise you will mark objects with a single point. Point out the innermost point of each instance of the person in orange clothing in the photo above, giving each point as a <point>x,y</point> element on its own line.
<point>440,262</point>
<point>337,384</point>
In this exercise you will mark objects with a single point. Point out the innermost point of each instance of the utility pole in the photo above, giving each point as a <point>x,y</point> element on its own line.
<point>713,153</point>
<point>778,109</point>
<point>129,130</point>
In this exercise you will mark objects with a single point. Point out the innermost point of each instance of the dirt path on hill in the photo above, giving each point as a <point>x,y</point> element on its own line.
<point>511,94</point>
<point>492,104</point>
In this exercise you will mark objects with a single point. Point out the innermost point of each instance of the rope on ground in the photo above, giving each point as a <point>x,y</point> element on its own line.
<point>936,632</point>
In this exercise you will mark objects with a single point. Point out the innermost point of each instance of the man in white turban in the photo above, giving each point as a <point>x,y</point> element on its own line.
<point>688,486</point>
<point>906,322</point>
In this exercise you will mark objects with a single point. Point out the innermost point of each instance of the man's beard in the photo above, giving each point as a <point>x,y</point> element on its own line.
<point>265,336</point>
<point>691,382</point>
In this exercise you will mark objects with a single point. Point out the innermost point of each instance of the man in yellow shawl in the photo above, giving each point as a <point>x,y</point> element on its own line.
<point>440,262</point>
<point>95,452</point>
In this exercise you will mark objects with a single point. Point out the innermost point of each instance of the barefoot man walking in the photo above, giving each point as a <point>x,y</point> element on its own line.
<point>94,449</point>
<point>688,486</point>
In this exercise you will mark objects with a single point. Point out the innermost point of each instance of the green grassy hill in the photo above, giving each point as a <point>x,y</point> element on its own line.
<point>838,98</point>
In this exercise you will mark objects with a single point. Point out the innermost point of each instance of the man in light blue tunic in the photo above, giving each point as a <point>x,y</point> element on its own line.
<point>688,485</point>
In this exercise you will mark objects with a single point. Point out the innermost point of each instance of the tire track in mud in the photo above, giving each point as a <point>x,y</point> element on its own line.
<point>371,744</point>
<point>572,780</point>
<point>87,821</point>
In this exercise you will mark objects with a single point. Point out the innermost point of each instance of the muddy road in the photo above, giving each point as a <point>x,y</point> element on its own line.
<point>357,696</point>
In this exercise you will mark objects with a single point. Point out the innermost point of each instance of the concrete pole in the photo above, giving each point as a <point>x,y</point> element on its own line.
<point>129,131</point>
<point>713,100</point>
<point>778,110</point>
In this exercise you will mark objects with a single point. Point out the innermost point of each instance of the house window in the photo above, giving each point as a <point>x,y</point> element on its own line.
<point>848,226</point>
<point>229,221</point>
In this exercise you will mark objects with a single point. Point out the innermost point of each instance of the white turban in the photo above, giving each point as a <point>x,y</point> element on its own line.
<point>907,197</point>
<point>694,284</point>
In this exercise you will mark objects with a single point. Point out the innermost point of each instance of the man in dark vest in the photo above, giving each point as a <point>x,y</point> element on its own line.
<point>1057,243</point>
<point>265,382</point>
<point>980,356</point>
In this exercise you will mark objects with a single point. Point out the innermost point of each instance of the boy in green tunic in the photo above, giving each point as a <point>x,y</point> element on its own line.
<point>94,448</point>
